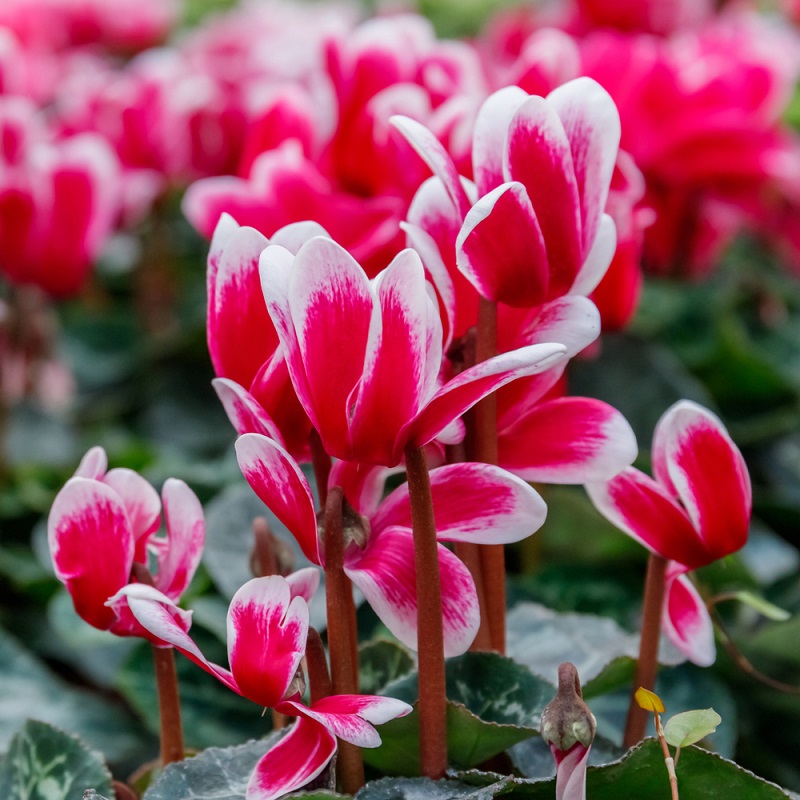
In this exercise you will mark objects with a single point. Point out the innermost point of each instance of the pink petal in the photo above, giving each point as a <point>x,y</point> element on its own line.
<point>362,484</point>
<point>331,305</point>
<point>591,122</point>
<point>472,503</point>
<point>598,259</point>
<point>385,574</point>
<point>500,248</point>
<point>241,335</point>
<point>571,772</point>
<point>91,544</point>
<point>167,624</point>
<point>294,761</point>
<point>395,371</point>
<point>436,157</point>
<point>348,717</point>
<point>695,458</point>
<point>568,440</point>
<point>490,134</point>
<point>179,554</point>
<point>461,393</point>
<point>267,631</point>
<point>686,620</point>
<point>93,465</point>
<point>296,234</point>
<point>280,484</point>
<point>141,502</point>
<point>244,411</point>
<point>304,583</point>
<point>638,505</point>
<point>539,157</point>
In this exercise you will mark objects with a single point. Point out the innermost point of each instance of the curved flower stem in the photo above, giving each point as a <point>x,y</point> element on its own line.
<point>493,565</point>
<point>647,665</point>
<point>341,632</point>
<point>430,635</point>
<point>169,707</point>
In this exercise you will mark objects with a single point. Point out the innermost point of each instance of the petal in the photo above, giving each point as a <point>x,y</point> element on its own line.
<point>490,134</point>
<point>244,411</point>
<point>331,304</point>
<point>694,457</point>
<point>436,157</point>
<point>142,504</point>
<point>571,772</point>
<point>396,366</point>
<point>167,625</point>
<point>296,234</point>
<point>568,440</point>
<point>348,717</point>
<point>241,335</point>
<point>294,761</point>
<point>640,507</point>
<point>572,320</point>
<point>91,544</point>
<point>385,574</point>
<point>362,484</point>
<point>598,259</point>
<point>686,620</point>
<point>304,583</point>
<point>539,156</point>
<point>461,393</point>
<point>591,122</point>
<point>471,503</point>
<point>280,484</point>
<point>93,465</point>
<point>179,554</point>
<point>267,631</point>
<point>500,248</point>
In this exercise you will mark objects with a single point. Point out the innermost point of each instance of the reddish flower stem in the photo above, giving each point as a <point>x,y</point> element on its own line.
<point>341,633</point>
<point>430,635</point>
<point>647,665</point>
<point>493,565</point>
<point>321,462</point>
<point>169,707</point>
<point>319,678</point>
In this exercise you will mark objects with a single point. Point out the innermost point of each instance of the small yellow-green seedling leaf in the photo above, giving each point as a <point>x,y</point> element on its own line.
<point>691,726</point>
<point>648,700</point>
<point>764,607</point>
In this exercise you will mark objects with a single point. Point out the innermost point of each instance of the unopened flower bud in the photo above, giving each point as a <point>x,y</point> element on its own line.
<point>567,719</point>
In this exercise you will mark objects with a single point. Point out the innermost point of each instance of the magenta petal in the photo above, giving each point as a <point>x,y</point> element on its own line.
<point>686,619</point>
<point>267,631</point>
<point>638,505</point>
<point>436,157</point>
<point>280,484</point>
<point>490,133</point>
<point>385,574</point>
<point>461,393</point>
<point>694,457</point>
<point>472,503</point>
<point>395,371</point>
<point>349,717</point>
<point>93,465</point>
<point>141,501</point>
<point>362,484</point>
<point>568,440</point>
<point>539,157</point>
<point>591,122</point>
<point>179,555</point>
<point>241,335</point>
<point>500,248</point>
<point>572,320</point>
<point>598,259</point>
<point>244,411</point>
<point>92,545</point>
<point>303,583</point>
<point>331,305</point>
<point>294,761</point>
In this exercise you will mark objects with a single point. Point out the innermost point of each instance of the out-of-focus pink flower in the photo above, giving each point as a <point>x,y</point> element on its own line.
<point>104,522</point>
<point>661,17</point>
<point>267,631</point>
<point>364,356</point>
<point>126,25</point>
<point>472,503</point>
<point>695,511</point>
<point>58,201</point>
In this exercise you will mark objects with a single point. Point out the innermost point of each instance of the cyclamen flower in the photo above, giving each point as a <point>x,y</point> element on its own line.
<point>267,630</point>
<point>364,356</point>
<point>103,523</point>
<point>695,511</point>
<point>472,503</point>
